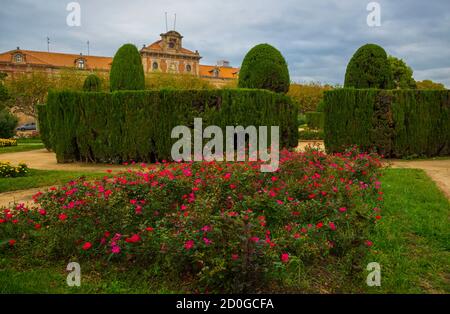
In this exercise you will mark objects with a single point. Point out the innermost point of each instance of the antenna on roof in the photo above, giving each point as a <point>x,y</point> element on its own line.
<point>175,22</point>
<point>166,24</point>
<point>48,44</point>
<point>88,47</point>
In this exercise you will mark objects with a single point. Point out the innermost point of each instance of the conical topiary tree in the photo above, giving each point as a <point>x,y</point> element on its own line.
<point>369,68</point>
<point>92,83</point>
<point>127,72</point>
<point>264,67</point>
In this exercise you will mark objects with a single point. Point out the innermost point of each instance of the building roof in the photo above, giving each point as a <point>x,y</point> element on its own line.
<point>224,72</point>
<point>57,59</point>
<point>157,46</point>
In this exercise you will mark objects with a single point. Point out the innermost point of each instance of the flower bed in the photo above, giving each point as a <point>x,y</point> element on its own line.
<point>4,142</point>
<point>226,227</point>
<point>9,171</point>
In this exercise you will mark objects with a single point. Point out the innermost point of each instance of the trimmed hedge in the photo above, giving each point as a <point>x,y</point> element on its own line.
<point>92,83</point>
<point>136,125</point>
<point>369,67</point>
<point>397,123</point>
<point>127,72</point>
<point>315,120</point>
<point>264,67</point>
<point>43,125</point>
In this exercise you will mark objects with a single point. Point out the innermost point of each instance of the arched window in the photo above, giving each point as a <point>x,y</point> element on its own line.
<point>81,64</point>
<point>188,68</point>
<point>18,58</point>
<point>216,73</point>
<point>155,66</point>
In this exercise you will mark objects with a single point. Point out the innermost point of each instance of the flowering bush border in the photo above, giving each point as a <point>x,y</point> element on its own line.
<point>227,226</point>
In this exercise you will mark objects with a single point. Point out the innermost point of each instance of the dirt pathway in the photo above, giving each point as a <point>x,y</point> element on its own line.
<point>20,196</point>
<point>438,170</point>
<point>45,160</point>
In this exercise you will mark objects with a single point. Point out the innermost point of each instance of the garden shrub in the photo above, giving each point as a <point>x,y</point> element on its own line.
<point>9,171</point>
<point>264,67</point>
<point>92,83</point>
<point>43,124</point>
<point>137,125</point>
<point>315,120</point>
<point>127,72</point>
<point>225,227</point>
<point>397,123</point>
<point>8,124</point>
<point>369,68</point>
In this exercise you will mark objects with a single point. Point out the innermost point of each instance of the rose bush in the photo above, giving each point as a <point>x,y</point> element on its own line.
<point>225,227</point>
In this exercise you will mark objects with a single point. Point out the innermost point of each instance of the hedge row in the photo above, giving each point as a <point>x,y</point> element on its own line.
<point>43,126</point>
<point>315,120</point>
<point>397,123</point>
<point>136,125</point>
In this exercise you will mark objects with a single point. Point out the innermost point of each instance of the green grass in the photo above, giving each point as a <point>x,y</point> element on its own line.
<point>23,145</point>
<point>412,242</point>
<point>52,279</point>
<point>37,178</point>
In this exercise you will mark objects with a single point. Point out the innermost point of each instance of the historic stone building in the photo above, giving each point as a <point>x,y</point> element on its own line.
<point>166,55</point>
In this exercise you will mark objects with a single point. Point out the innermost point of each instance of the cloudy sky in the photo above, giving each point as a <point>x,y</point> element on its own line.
<point>317,37</point>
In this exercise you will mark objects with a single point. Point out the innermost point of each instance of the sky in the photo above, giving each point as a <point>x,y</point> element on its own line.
<point>317,38</point>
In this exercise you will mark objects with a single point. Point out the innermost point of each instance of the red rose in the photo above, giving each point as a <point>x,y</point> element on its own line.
<point>285,257</point>
<point>133,239</point>
<point>87,246</point>
<point>62,217</point>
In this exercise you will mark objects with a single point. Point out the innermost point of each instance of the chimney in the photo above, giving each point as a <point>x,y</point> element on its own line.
<point>223,63</point>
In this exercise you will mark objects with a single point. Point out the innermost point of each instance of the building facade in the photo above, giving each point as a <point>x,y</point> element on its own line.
<point>166,55</point>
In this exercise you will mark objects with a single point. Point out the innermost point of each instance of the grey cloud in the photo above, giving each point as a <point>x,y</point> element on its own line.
<point>316,37</point>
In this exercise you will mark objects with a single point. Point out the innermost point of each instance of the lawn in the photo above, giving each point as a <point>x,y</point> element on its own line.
<point>37,178</point>
<point>23,145</point>
<point>411,243</point>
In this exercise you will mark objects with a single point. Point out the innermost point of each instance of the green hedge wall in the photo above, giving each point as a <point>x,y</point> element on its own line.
<point>136,125</point>
<point>315,120</point>
<point>397,123</point>
<point>43,125</point>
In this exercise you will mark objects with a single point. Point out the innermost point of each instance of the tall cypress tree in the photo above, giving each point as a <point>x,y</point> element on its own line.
<point>264,67</point>
<point>369,68</point>
<point>127,72</point>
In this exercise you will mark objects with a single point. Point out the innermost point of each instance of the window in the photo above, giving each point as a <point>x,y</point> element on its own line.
<point>155,66</point>
<point>18,58</point>
<point>171,44</point>
<point>188,68</point>
<point>216,73</point>
<point>81,64</point>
